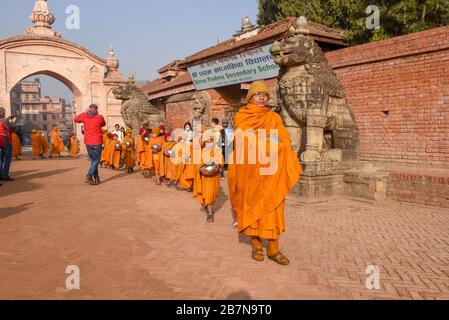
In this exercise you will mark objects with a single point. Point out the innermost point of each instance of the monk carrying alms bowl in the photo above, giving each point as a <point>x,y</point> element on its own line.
<point>209,169</point>
<point>170,153</point>
<point>259,206</point>
<point>156,148</point>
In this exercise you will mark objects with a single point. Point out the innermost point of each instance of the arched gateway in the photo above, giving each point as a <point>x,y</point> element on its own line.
<point>41,50</point>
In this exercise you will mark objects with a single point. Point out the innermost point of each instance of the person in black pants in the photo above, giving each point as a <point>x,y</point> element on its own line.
<point>227,144</point>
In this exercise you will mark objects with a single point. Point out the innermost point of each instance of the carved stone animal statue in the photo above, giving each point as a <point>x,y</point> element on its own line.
<point>137,112</point>
<point>312,102</point>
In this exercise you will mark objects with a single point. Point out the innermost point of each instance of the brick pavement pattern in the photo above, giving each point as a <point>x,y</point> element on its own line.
<point>132,239</point>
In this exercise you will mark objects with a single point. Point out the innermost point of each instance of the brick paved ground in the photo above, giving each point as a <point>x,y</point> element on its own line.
<point>133,239</point>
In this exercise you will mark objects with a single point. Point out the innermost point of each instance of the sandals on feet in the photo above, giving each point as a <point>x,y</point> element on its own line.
<point>279,258</point>
<point>257,255</point>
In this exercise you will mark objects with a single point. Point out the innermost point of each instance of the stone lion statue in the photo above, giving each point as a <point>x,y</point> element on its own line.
<point>200,109</point>
<point>311,100</point>
<point>137,112</point>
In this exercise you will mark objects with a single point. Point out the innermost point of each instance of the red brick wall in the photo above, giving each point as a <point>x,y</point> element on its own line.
<point>408,78</point>
<point>178,113</point>
<point>429,188</point>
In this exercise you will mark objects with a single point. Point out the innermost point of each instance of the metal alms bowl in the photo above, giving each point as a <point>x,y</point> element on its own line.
<point>156,148</point>
<point>146,139</point>
<point>170,153</point>
<point>128,144</point>
<point>118,146</point>
<point>209,169</point>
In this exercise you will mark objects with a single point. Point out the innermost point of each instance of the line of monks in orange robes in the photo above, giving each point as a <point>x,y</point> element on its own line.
<point>40,145</point>
<point>118,154</point>
<point>168,158</point>
<point>179,162</point>
<point>257,200</point>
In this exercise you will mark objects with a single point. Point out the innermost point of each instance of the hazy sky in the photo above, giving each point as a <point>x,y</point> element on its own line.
<point>145,34</point>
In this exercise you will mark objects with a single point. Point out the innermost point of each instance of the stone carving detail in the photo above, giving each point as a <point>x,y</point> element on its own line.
<point>137,112</point>
<point>43,19</point>
<point>201,108</point>
<point>311,100</point>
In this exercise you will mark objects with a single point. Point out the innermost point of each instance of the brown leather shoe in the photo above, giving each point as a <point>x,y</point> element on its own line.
<point>89,180</point>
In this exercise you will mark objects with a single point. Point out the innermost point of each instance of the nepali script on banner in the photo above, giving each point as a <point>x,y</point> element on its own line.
<point>254,64</point>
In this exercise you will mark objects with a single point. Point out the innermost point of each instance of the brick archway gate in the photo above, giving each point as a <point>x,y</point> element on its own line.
<point>42,51</point>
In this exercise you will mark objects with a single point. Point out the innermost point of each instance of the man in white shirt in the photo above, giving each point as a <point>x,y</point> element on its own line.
<point>118,132</point>
<point>217,128</point>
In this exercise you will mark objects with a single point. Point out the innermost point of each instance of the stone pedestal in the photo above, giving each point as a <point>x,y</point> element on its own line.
<point>321,179</point>
<point>366,184</point>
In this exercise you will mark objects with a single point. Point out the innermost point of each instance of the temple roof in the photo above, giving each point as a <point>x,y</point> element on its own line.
<point>327,38</point>
<point>270,33</point>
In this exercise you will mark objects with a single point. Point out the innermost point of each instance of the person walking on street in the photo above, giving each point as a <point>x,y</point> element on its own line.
<point>93,139</point>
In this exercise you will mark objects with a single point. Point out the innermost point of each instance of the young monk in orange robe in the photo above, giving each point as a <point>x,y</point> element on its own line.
<point>144,154</point>
<point>109,152</point>
<point>16,146</point>
<point>115,152</point>
<point>128,151</point>
<point>156,138</point>
<point>185,169</point>
<point>74,145</point>
<point>36,144</point>
<point>57,145</point>
<point>166,170</point>
<point>258,199</point>
<point>207,188</point>
<point>104,153</point>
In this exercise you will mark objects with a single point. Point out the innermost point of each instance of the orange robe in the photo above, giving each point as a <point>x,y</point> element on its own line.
<point>44,144</point>
<point>105,154</point>
<point>206,189</point>
<point>181,165</point>
<point>115,156</point>
<point>128,153</point>
<point>36,144</point>
<point>166,163</point>
<point>144,154</point>
<point>157,156</point>
<point>187,169</point>
<point>16,145</point>
<point>258,200</point>
<point>74,147</point>
<point>57,144</point>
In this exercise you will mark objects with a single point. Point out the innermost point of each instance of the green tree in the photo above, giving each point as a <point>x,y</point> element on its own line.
<point>397,17</point>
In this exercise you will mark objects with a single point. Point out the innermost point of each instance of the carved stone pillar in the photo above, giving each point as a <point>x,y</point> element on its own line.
<point>315,135</point>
